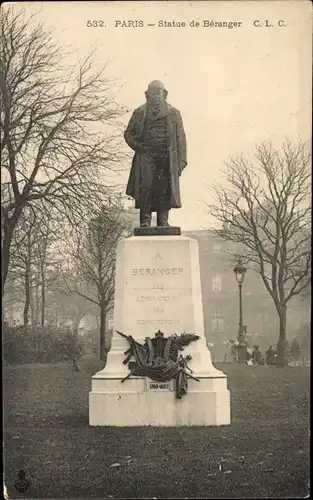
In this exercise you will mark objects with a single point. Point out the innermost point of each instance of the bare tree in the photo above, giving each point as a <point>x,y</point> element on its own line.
<point>265,205</point>
<point>46,235</point>
<point>94,263</point>
<point>64,306</point>
<point>32,263</point>
<point>22,272</point>
<point>59,129</point>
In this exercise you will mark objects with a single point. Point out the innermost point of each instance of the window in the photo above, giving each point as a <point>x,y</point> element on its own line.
<point>217,322</point>
<point>216,248</point>
<point>217,283</point>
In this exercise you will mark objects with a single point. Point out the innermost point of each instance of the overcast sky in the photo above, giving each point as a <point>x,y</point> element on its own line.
<point>233,87</point>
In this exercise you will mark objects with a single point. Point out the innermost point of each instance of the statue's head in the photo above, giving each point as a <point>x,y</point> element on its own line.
<point>156,93</point>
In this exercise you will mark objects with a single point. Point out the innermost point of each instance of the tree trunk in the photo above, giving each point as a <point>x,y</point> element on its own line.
<point>43,296</point>
<point>37,301</point>
<point>103,349</point>
<point>27,296</point>
<point>8,229</point>
<point>76,323</point>
<point>282,348</point>
<point>31,300</point>
<point>76,355</point>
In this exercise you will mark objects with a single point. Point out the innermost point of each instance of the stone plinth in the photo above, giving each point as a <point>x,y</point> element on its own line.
<point>158,288</point>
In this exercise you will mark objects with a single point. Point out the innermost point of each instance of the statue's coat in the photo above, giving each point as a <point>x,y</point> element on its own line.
<point>176,148</point>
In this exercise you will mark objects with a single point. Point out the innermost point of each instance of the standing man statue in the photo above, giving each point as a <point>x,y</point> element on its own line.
<point>156,133</point>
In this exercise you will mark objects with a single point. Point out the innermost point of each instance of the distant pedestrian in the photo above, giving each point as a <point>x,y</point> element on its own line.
<point>295,351</point>
<point>257,358</point>
<point>233,351</point>
<point>226,346</point>
<point>249,356</point>
<point>76,350</point>
<point>271,356</point>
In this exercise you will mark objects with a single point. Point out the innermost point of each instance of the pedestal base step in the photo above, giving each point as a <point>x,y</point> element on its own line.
<point>146,403</point>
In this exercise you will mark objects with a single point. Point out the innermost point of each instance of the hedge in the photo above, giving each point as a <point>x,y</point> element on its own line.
<point>34,344</point>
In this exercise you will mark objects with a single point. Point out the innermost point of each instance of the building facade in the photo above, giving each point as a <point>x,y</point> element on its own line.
<point>220,295</point>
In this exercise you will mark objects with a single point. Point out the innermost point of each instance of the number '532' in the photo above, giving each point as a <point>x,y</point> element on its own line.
<point>95,24</point>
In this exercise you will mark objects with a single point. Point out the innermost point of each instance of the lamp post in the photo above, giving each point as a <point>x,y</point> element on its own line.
<point>240,271</point>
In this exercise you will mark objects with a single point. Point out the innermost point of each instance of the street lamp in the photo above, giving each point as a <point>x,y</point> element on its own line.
<point>240,271</point>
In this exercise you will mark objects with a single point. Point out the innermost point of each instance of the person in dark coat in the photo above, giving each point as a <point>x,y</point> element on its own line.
<point>257,358</point>
<point>271,356</point>
<point>156,133</point>
<point>295,350</point>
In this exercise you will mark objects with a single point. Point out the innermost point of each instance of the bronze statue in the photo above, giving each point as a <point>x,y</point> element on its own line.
<point>156,133</point>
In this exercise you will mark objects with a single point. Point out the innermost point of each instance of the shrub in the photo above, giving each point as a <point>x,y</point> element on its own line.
<point>34,344</point>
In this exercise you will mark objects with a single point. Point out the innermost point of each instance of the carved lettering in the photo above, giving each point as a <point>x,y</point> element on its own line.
<point>157,322</point>
<point>153,298</point>
<point>157,310</point>
<point>158,271</point>
<point>157,286</point>
<point>163,386</point>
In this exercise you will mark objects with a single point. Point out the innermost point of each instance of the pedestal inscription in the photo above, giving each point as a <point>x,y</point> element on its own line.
<point>159,386</point>
<point>154,290</point>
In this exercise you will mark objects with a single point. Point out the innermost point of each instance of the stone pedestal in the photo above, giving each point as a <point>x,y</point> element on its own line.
<point>158,288</point>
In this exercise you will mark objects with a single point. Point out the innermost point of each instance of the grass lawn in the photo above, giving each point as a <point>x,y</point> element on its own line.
<point>263,453</point>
